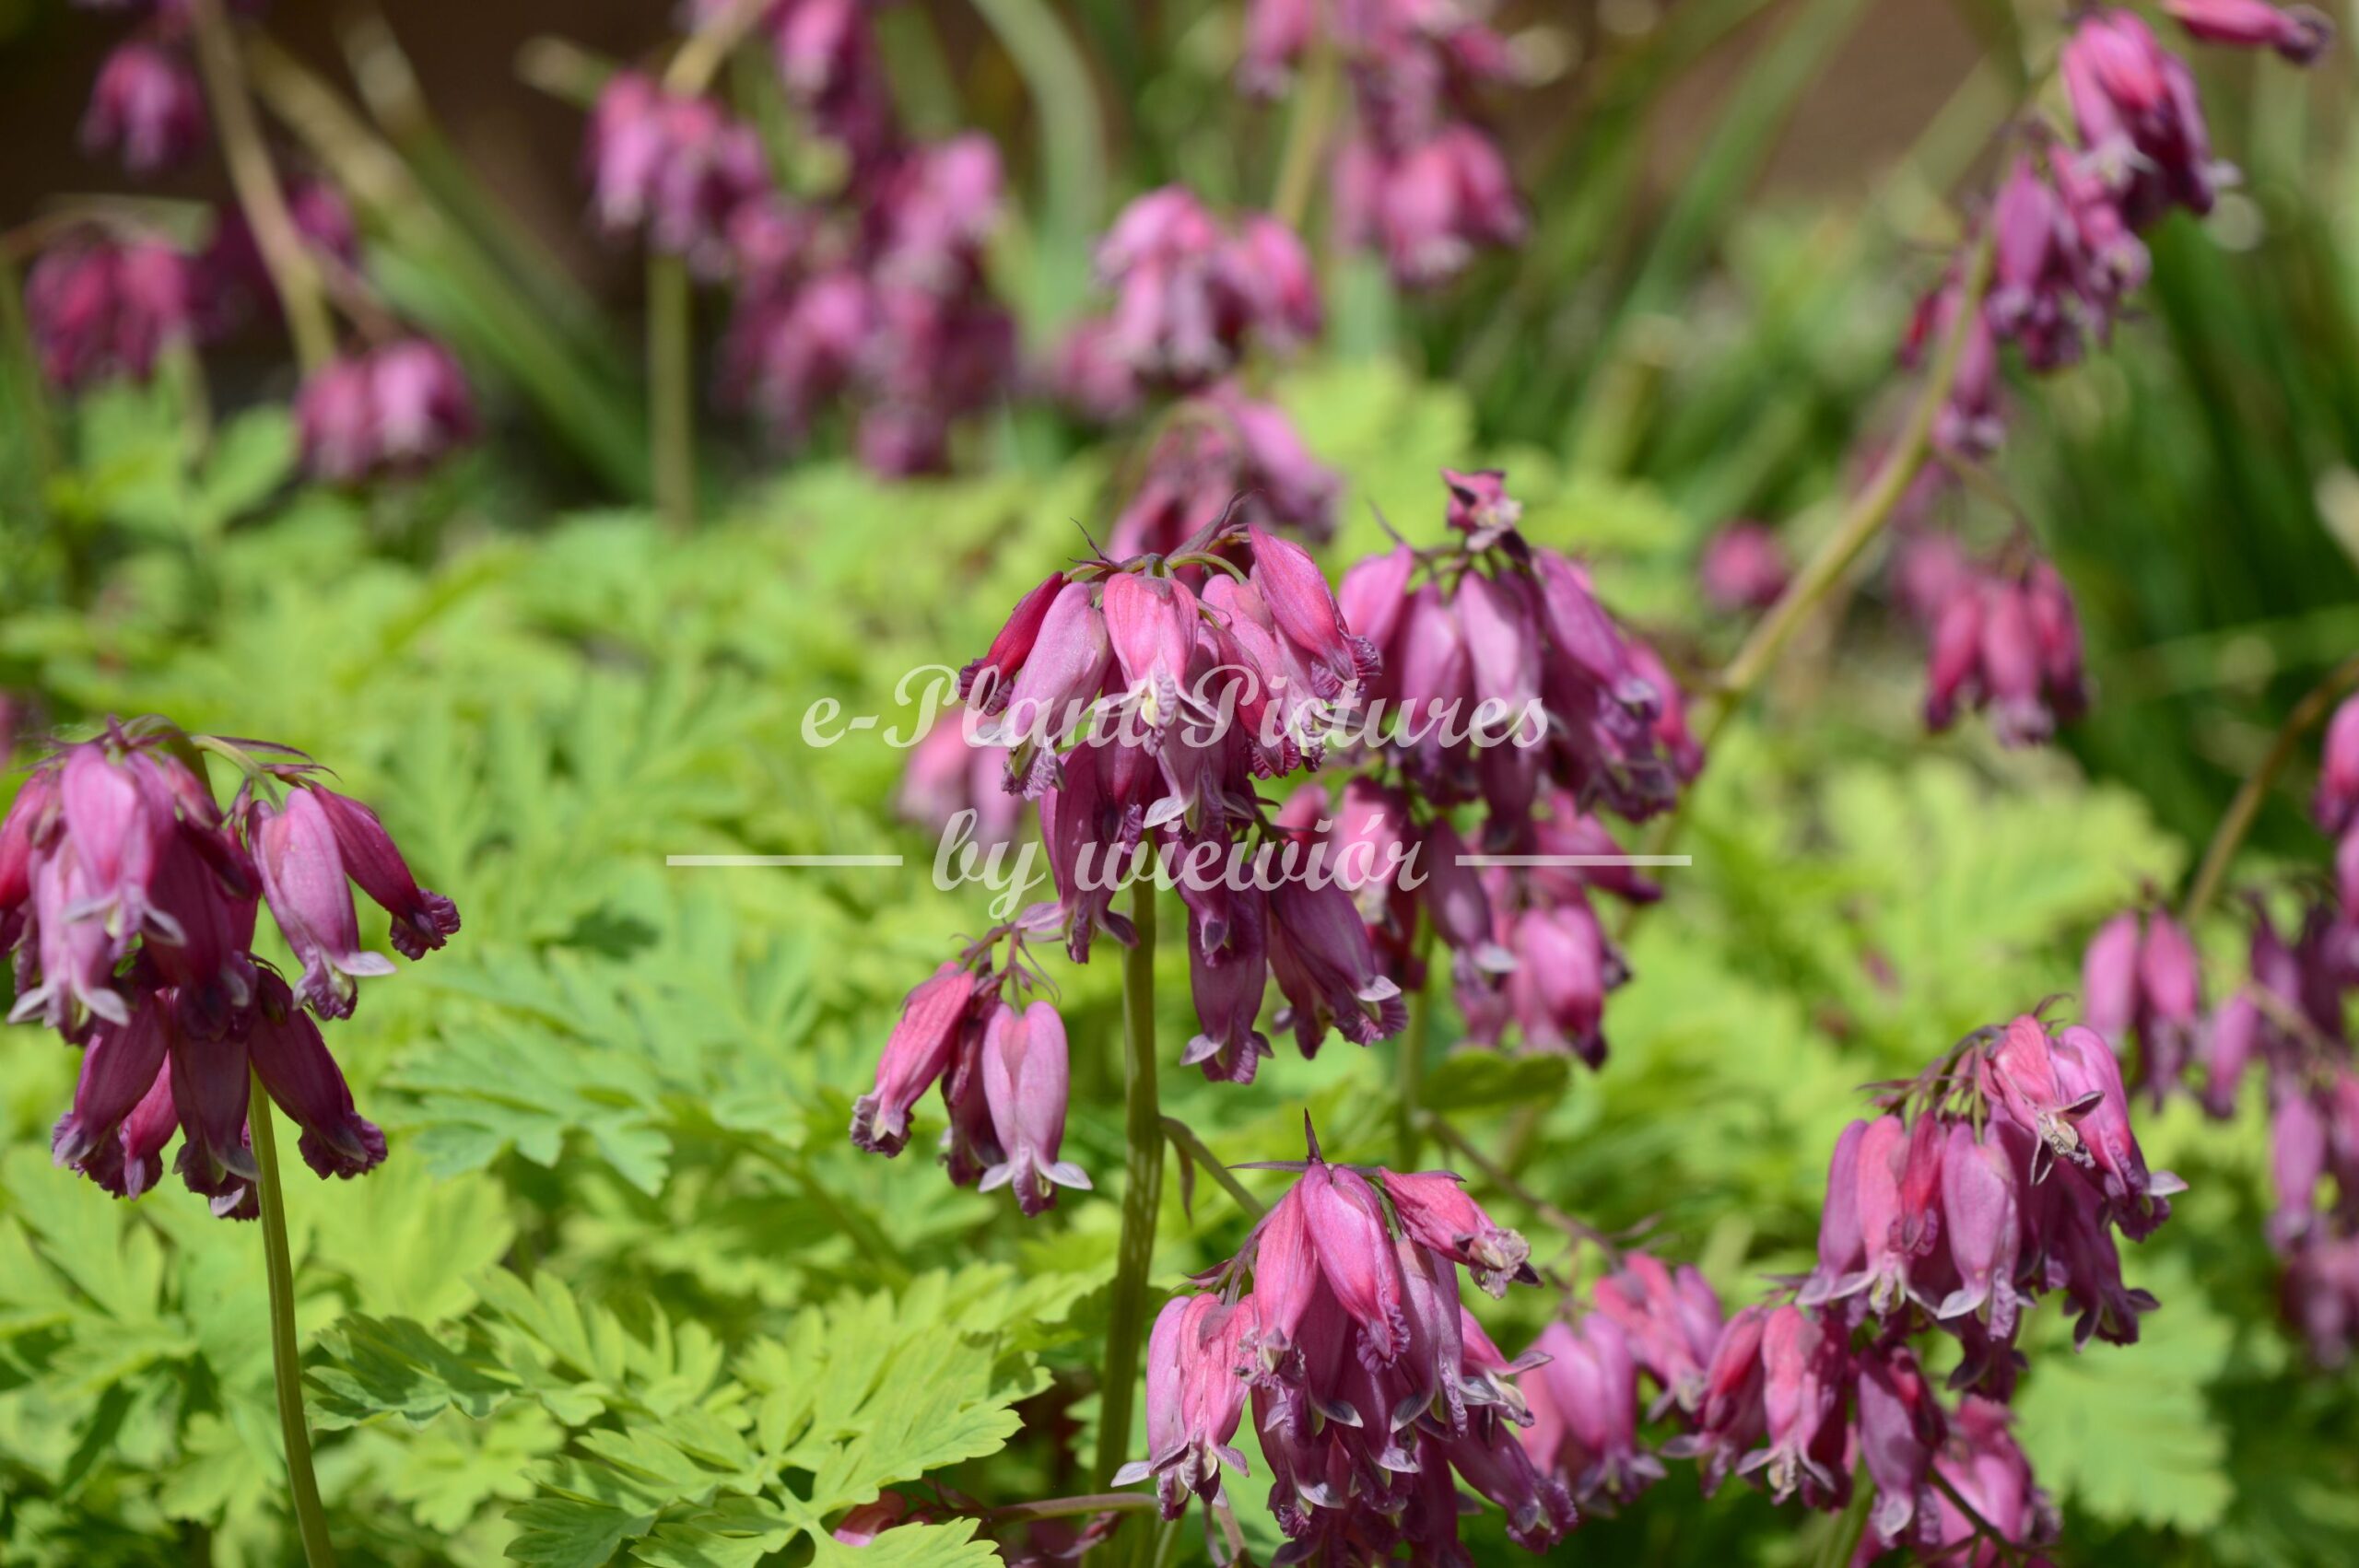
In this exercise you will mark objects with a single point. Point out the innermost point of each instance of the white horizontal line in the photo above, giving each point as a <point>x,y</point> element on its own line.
<point>1576,859</point>
<point>782,859</point>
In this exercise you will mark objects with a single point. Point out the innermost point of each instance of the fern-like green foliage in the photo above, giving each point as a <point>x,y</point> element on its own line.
<point>624,1293</point>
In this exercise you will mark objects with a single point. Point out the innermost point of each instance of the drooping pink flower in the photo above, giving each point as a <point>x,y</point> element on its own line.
<point>1324,963</point>
<point>1188,292</point>
<point>1025,1080</point>
<point>2136,107</point>
<point>671,168</point>
<point>1373,1390</point>
<point>400,408</point>
<point>1731,1415</point>
<point>1981,1217</point>
<point>1803,1368</point>
<point>304,878</point>
<point>422,918</point>
<point>1673,1322</point>
<point>1900,1429</point>
<point>146,106</point>
<point>292,1061</point>
<point>422,403</point>
<point>230,279</point>
<point>2335,806</point>
<point>99,307</point>
<point>1196,1399</point>
<point>1435,1211</point>
<point>131,898</point>
<point>915,1056</point>
<point>1429,208</point>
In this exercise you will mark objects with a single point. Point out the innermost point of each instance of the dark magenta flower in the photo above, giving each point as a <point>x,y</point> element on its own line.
<point>918,1052</point>
<point>1189,293</point>
<point>1226,981</point>
<point>146,106</point>
<point>304,878</point>
<point>2136,107</point>
<point>1982,1221</point>
<point>422,918</point>
<point>2088,1075</point>
<point>421,403</point>
<point>671,168</point>
<point>1326,966</point>
<point>1428,207</point>
<point>1673,1322</point>
<point>131,898</point>
<point>1804,1372</point>
<point>1981,1460</point>
<point>99,307</point>
<point>1373,1390</point>
<point>2297,33</point>
<point>1730,1416</point>
<point>399,408</point>
<point>2336,804</point>
<point>230,280</point>
<point>292,1061</point>
<point>1585,1412</point>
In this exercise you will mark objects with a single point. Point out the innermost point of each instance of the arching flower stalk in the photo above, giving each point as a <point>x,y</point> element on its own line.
<point>1374,1391</point>
<point>129,897</point>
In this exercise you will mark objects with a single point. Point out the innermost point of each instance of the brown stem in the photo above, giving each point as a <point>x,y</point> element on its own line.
<point>283,254</point>
<point>2237,822</point>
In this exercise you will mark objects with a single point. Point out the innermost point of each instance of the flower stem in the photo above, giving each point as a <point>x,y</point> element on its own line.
<point>1860,522</point>
<point>286,1359</point>
<point>1868,511</point>
<point>2237,822</point>
<point>1408,1134</point>
<point>1851,1525</point>
<point>283,254</point>
<point>671,385</point>
<point>1142,1190</point>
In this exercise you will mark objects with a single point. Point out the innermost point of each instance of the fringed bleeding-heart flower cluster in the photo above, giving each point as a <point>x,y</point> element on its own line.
<point>1193,297</point>
<point>2284,1020</point>
<point>871,295</point>
<point>1141,700</point>
<point>2000,1176</point>
<point>110,296</point>
<point>1001,1063</point>
<point>129,899</point>
<point>2065,258</point>
<point>1510,689</point>
<point>1138,701</point>
<point>1375,1392</point>
<point>1417,178</point>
